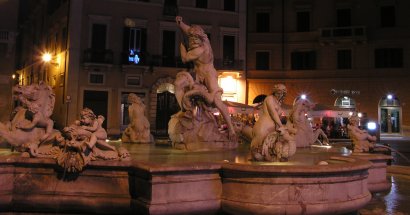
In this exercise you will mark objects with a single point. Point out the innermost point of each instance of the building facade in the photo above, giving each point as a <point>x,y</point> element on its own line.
<point>102,50</point>
<point>348,54</point>
<point>8,33</point>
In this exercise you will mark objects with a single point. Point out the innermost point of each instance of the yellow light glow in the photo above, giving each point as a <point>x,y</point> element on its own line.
<point>228,84</point>
<point>13,76</point>
<point>46,57</point>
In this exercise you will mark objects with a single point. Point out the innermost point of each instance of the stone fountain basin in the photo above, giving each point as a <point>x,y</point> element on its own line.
<point>147,187</point>
<point>337,188</point>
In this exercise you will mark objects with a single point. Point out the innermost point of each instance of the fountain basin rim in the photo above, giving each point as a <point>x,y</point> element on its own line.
<point>124,164</point>
<point>351,164</point>
<point>372,156</point>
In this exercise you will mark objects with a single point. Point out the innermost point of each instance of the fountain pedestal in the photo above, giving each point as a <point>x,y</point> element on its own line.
<point>377,181</point>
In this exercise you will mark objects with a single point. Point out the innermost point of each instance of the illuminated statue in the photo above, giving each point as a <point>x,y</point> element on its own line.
<point>305,135</point>
<point>271,140</point>
<point>31,125</point>
<point>362,140</point>
<point>195,127</point>
<point>138,131</point>
<point>200,53</point>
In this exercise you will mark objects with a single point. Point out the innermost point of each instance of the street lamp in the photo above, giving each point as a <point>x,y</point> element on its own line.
<point>46,57</point>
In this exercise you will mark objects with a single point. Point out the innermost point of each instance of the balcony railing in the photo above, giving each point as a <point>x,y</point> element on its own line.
<point>226,64</point>
<point>103,56</point>
<point>354,33</point>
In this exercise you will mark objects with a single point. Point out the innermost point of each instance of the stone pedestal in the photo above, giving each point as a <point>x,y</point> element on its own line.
<point>337,188</point>
<point>377,181</point>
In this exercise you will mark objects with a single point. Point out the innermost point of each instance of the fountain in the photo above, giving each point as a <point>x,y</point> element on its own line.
<point>76,171</point>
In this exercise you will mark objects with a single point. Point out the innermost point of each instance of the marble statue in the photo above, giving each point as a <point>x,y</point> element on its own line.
<point>138,131</point>
<point>31,132</point>
<point>271,140</point>
<point>305,135</point>
<point>362,140</point>
<point>195,126</point>
<point>85,141</point>
<point>30,125</point>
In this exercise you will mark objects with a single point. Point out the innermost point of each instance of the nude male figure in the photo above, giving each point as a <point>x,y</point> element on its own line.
<point>200,53</point>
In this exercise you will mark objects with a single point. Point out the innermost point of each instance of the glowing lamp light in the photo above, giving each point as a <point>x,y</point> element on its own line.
<point>46,57</point>
<point>371,125</point>
<point>13,76</point>
<point>303,96</point>
<point>228,84</point>
<point>359,115</point>
<point>390,96</point>
<point>350,113</point>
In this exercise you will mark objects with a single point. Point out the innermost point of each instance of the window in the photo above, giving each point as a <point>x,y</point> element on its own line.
<point>344,59</point>
<point>262,60</point>
<point>262,22</point>
<point>133,80</point>
<point>303,60</point>
<point>303,21</point>
<point>345,102</point>
<point>134,45</point>
<point>387,16</point>
<point>343,17</point>
<point>98,36</point>
<point>96,78</point>
<point>201,4</point>
<point>168,48</point>
<point>228,50</point>
<point>170,8</point>
<point>388,58</point>
<point>229,5</point>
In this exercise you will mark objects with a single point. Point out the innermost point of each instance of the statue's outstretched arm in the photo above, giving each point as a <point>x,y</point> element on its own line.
<point>184,27</point>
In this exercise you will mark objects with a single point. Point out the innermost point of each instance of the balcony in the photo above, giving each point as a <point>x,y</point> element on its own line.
<point>355,34</point>
<point>226,64</point>
<point>103,56</point>
<point>145,59</point>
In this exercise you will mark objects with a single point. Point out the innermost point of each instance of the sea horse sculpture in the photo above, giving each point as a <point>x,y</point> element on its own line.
<point>305,135</point>
<point>30,125</point>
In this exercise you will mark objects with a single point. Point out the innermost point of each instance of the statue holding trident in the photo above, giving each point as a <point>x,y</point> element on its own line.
<point>200,53</point>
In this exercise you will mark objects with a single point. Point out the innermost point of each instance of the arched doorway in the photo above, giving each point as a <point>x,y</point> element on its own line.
<point>390,115</point>
<point>167,105</point>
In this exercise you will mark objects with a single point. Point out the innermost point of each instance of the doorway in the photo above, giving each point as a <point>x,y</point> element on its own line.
<point>97,101</point>
<point>167,106</point>
<point>390,113</point>
<point>389,120</point>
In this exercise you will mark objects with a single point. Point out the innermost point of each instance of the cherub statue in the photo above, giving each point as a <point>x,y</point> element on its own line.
<point>138,131</point>
<point>362,140</point>
<point>91,125</point>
